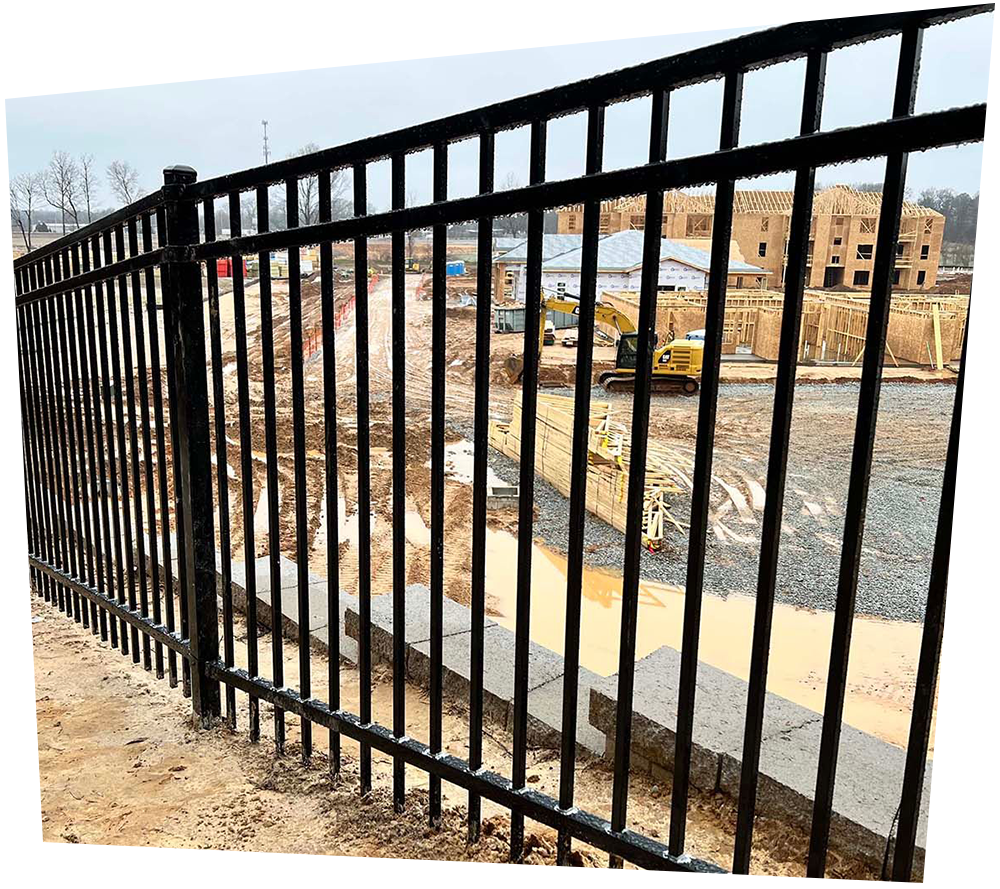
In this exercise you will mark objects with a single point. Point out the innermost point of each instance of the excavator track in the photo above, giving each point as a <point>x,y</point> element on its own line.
<point>667,385</point>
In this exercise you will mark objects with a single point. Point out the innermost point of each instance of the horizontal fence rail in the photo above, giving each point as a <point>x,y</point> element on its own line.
<point>135,432</point>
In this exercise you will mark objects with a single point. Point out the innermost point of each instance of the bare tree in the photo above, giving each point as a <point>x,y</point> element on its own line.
<point>248,214</point>
<point>25,193</point>
<point>342,204</point>
<point>88,184</point>
<point>61,186</point>
<point>309,191</point>
<point>510,225</point>
<point>123,179</point>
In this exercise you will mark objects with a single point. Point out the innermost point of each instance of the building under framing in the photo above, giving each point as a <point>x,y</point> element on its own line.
<point>842,235</point>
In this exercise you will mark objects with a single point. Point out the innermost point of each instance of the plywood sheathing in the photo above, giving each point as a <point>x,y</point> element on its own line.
<point>834,325</point>
<point>842,233</point>
<point>609,450</point>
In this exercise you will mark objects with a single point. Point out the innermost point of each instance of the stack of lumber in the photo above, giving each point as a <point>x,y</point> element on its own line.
<point>608,455</point>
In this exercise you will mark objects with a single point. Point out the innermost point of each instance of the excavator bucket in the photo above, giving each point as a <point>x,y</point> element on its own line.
<point>513,366</point>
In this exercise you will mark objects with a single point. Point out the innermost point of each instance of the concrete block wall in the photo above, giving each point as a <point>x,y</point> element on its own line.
<point>869,772</point>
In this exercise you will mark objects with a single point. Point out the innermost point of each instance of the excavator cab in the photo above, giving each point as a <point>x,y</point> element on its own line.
<point>628,350</point>
<point>676,366</point>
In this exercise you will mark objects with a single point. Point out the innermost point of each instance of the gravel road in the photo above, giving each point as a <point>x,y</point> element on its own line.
<point>902,507</point>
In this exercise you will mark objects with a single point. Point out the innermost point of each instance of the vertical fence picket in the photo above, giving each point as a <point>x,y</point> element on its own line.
<point>85,484</point>
<point>722,228</point>
<point>151,540</point>
<point>221,460</point>
<point>162,462</point>
<point>781,423</point>
<point>128,292</point>
<point>637,468</point>
<point>325,202</point>
<point>481,408</point>
<point>73,534</point>
<point>299,449</point>
<point>108,386</point>
<point>398,480</point>
<point>57,491</point>
<point>578,478</point>
<point>115,318</point>
<point>364,471</point>
<point>105,577</point>
<point>929,658</point>
<point>439,249</point>
<point>533,329</point>
<point>893,193</point>
<point>246,460</point>
<point>271,450</point>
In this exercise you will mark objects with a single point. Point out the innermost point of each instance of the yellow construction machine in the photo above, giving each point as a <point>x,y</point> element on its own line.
<point>676,365</point>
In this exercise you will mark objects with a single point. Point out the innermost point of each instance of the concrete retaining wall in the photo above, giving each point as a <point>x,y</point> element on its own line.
<point>869,772</point>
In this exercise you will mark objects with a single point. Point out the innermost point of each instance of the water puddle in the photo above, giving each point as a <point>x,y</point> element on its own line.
<point>417,532</point>
<point>883,653</point>
<point>459,464</point>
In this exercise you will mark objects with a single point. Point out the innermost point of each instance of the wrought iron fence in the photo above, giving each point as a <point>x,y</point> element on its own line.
<point>95,404</point>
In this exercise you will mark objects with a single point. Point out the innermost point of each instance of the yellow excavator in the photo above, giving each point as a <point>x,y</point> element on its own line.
<point>676,365</point>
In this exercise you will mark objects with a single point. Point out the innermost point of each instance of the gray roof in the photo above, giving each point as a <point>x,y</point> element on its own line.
<point>622,251</point>
<point>552,245</point>
<point>503,245</point>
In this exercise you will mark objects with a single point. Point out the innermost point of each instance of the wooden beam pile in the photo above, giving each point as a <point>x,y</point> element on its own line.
<point>608,455</point>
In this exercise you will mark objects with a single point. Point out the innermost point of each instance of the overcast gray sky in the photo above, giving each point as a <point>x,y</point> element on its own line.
<point>215,125</point>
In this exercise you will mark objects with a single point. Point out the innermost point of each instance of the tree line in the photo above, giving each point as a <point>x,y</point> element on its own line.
<point>960,211</point>
<point>73,188</point>
<point>69,189</point>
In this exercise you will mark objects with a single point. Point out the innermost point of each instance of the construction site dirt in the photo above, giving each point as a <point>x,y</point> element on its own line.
<point>905,487</point>
<point>121,763</point>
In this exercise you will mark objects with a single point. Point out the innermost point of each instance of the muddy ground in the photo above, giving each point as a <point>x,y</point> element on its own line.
<point>121,763</point>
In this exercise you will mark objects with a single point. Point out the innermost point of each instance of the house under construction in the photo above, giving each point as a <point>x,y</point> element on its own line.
<point>841,240</point>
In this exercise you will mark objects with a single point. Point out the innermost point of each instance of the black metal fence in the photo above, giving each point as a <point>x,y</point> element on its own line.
<point>113,357</point>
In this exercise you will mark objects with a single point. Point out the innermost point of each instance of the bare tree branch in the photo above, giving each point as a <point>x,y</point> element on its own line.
<point>123,179</point>
<point>25,193</point>
<point>61,186</point>
<point>248,214</point>
<point>309,193</point>
<point>510,225</point>
<point>88,184</point>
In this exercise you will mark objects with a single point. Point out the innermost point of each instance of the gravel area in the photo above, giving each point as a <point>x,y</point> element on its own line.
<point>902,508</point>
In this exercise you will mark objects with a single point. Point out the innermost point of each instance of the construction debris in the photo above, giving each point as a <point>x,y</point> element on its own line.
<point>609,449</point>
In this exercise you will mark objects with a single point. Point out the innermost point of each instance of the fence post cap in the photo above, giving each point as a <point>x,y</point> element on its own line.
<point>179,174</point>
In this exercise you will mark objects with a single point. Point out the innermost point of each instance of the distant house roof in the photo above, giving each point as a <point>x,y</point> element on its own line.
<point>622,252</point>
<point>706,244</point>
<point>503,245</point>
<point>552,245</point>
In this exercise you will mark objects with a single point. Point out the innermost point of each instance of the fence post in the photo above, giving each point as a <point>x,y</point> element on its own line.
<point>182,298</point>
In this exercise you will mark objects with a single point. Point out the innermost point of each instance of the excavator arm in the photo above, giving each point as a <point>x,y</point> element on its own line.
<point>602,312</point>
<point>514,365</point>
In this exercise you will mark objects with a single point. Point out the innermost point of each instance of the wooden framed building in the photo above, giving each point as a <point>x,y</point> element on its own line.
<point>842,236</point>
